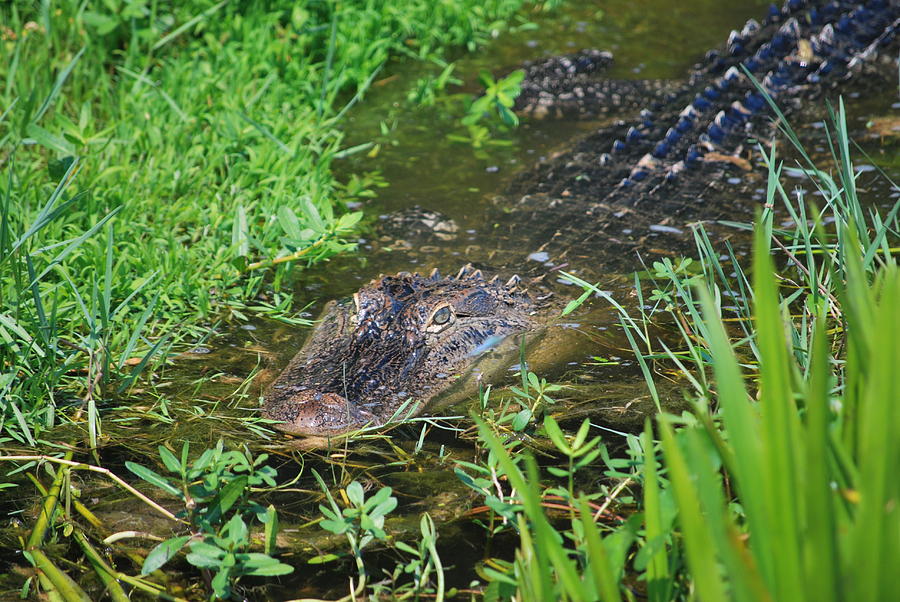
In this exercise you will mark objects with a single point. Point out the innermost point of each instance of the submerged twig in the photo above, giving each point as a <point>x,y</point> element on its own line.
<point>609,499</point>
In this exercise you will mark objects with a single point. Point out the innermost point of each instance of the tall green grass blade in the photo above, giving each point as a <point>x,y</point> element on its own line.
<point>777,482</point>
<point>137,331</point>
<point>659,581</point>
<point>546,539</point>
<point>642,362</point>
<point>742,423</point>
<point>876,544</point>
<point>329,62</point>
<point>47,214</point>
<point>606,582</point>
<point>267,133</point>
<point>698,540</point>
<point>139,368</point>
<point>188,24</point>
<point>745,582</point>
<point>820,554</point>
<point>57,87</point>
<point>72,246</point>
<point>22,422</point>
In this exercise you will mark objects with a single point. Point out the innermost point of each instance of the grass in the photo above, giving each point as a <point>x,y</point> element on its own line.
<point>781,483</point>
<point>166,164</point>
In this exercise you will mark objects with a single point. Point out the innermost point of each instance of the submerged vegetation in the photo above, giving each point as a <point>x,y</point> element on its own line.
<point>167,166</point>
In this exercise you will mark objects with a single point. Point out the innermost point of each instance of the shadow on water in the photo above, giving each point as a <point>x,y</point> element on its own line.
<point>210,392</point>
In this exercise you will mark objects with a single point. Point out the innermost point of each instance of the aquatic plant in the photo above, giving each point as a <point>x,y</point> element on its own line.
<point>215,490</point>
<point>779,484</point>
<point>499,96</point>
<point>361,522</point>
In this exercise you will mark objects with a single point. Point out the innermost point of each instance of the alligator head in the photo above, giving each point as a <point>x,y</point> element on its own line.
<point>400,341</point>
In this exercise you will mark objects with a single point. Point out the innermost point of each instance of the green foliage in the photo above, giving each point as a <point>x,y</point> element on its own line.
<point>545,568</point>
<point>423,561</point>
<point>57,321</point>
<point>578,451</point>
<point>526,404</point>
<point>165,160</point>
<point>498,99</point>
<point>812,462</point>
<point>215,490</point>
<point>426,90</point>
<point>362,522</point>
<point>780,484</point>
<point>499,96</point>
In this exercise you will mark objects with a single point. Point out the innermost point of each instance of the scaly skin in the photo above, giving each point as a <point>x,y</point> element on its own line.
<point>800,52</point>
<point>402,339</point>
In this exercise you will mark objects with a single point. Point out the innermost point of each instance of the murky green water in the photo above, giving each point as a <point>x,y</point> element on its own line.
<point>424,167</point>
<point>201,397</point>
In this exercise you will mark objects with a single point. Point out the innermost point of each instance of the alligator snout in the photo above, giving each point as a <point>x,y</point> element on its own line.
<point>311,412</point>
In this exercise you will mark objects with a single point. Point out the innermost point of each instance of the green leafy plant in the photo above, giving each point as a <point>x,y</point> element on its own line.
<point>215,490</point>
<point>362,522</point>
<point>499,97</point>
<point>478,137</point>
<point>426,90</point>
<point>485,478</point>
<point>578,451</point>
<point>424,561</point>
<point>544,567</point>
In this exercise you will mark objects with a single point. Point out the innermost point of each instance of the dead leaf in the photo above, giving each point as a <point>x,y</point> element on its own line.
<point>885,126</point>
<point>740,162</point>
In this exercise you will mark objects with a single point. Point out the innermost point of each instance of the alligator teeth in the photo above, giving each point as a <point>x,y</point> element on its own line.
<point>476,275</point>
<point>513,282</point>
<point>434,275</point>
<point>495,279</point>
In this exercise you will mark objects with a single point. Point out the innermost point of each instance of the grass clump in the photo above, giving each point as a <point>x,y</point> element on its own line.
<point>780,484</point>
<point>158,158</point>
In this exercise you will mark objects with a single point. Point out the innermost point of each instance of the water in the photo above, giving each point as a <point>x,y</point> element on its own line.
<point>209,393</point>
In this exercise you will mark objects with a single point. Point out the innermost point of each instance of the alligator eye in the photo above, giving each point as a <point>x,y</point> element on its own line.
<point>441,316</point>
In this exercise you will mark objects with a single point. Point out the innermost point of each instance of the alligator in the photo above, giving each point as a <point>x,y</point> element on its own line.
<point>405,343</point>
